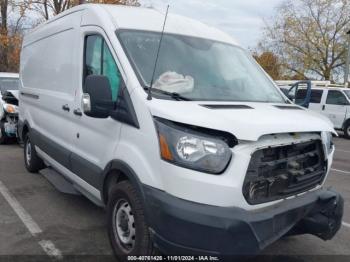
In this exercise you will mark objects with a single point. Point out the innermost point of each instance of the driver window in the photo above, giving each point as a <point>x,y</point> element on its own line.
<point>99,61</point>
<point>336,98</point>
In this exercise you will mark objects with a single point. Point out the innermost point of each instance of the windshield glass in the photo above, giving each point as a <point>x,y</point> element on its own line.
<point>197,68</point>
<point>347,92</point>
<point>8,83</point>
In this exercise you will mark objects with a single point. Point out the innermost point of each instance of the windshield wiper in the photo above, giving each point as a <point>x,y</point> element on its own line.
<point>173,95</point>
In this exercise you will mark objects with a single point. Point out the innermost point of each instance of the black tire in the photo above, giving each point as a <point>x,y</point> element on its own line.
<point>121,195</point>
<point>3,137</point>
<point>347,130</point>
<point>32,161</point>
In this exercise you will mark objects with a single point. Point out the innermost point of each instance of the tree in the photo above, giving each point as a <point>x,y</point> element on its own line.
<point>49,8</point>
<point>270,63</point>
<point>10,35</point>
<point>309,37</point>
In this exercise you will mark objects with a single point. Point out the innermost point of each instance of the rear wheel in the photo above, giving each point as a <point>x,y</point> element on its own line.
<point>127,229</point>
<point>3,137</point>
<point>32,161</point>
<point>347,130</point>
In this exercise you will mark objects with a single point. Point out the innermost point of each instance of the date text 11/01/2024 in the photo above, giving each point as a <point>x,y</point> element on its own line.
<point>173,258</point>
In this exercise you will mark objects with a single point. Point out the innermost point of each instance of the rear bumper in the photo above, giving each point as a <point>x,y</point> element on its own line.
<point>183,227</point>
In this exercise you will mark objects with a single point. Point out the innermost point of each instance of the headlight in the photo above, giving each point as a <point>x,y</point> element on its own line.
<point>327,140</point>
<point>192,149</point>
<point>11,109</point>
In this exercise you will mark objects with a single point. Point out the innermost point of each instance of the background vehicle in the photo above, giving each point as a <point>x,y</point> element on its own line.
<point>9,84</point>
<point>332,101</point>
<point>200,149</point>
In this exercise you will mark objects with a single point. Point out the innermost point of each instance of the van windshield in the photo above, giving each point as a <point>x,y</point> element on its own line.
<point>8,83</point>
<point>198,69</point>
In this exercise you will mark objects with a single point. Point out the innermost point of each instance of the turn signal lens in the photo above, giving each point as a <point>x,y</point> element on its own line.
<point>164,148</point>
<point>10,109</point>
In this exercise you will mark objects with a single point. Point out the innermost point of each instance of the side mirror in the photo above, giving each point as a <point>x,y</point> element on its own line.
<point>97,99</point>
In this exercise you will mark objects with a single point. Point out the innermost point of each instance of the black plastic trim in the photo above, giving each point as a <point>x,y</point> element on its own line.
<point>288,107</point>
<point>227,106</point>
<point>74,163</point>
<point>184,227</point>
<point>30,95</point>
<point>125,111</point>
<point>53,149</point>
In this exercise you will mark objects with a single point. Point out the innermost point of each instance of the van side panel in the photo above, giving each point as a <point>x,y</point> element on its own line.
<point>49,79</point>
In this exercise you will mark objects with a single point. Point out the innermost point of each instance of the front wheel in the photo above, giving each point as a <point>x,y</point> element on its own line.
<point>32,161</point>
<point>347,130</point>
<point>3,137</point>
<point>127,229</point>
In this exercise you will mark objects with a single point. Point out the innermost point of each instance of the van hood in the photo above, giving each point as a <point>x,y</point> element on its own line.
<point>246,121</point>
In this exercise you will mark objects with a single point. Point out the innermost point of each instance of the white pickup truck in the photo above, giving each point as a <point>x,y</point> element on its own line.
<point>332,101</point>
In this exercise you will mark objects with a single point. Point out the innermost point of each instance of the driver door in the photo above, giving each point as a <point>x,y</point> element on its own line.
<point>95,139</point>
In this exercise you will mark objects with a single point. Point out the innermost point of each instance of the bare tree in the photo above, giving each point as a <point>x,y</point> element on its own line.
<point>12,16</point>
<point>309,36</point>
<point>49,8</point>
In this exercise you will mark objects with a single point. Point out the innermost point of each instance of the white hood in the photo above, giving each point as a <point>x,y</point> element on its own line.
<point>245,124</point>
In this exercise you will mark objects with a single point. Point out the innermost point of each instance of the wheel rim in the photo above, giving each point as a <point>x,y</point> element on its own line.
<point>348,130</point>
<point>0,133</point>
<point>124,226</point>
<point>28,152</point>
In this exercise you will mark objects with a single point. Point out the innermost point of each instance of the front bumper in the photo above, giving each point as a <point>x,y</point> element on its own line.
<point>184,227</point>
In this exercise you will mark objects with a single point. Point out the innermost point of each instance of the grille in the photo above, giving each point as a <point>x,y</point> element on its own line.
<point>278,172</point>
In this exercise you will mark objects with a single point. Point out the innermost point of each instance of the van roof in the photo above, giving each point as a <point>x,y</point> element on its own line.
<point>8,75</point>
<point>148,19</point>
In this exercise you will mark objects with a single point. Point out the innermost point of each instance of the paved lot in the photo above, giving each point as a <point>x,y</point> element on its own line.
<point>63,225</point>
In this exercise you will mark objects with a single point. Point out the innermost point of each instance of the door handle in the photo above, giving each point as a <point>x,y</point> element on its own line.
<point>66,108</point>
<point>77,112</point>
<point>323,107</point>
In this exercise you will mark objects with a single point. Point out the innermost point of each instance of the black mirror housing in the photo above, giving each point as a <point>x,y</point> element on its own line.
<point>99,90</point>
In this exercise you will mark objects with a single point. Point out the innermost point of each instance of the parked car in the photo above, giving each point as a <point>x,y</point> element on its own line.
<point>332,101</point>
<point>200,157</point>
<point>8,106</point>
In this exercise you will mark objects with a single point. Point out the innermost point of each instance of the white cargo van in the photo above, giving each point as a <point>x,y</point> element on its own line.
<point>212,160</point>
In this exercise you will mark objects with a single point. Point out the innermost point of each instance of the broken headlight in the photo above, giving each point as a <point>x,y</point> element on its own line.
<point>191,149</point>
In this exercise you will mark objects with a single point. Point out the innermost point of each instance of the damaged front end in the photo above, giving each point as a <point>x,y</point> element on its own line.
<point>325,218</point>
<point>8,115</point>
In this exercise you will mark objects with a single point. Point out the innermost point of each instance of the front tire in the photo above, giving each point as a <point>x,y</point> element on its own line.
<point>32,161</point>
<point>3,137</point>
<point>347,130</point>
<point>127,229</point>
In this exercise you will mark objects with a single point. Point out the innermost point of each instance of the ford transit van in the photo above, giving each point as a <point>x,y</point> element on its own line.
<point>196,152</point>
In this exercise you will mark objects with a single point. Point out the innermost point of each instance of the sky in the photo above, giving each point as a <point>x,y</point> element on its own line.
<point>242,19</point>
